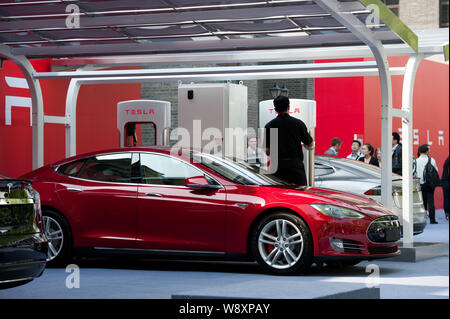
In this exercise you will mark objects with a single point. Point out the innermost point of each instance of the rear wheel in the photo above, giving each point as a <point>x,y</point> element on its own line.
<point>59,238</point>
<point>282,244</point>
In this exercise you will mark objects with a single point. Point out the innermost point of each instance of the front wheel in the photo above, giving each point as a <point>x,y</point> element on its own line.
<point>282,244</point>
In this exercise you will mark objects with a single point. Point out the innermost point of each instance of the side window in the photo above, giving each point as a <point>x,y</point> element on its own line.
<point>322,170</point>
<point>164,170</point>
<point>72,168</point>
<point>114,168</point>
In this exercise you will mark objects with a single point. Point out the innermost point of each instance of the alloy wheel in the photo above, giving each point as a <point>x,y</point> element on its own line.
<point>55,236</point>
<point>280,244</point>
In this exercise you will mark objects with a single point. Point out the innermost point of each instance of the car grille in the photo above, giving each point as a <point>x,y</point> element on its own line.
<point>384,229</point>
<point>382,250</point>
<point>351,246</point>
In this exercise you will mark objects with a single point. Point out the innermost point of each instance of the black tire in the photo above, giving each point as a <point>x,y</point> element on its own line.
<point>285,263</point>
<point>65,254</point>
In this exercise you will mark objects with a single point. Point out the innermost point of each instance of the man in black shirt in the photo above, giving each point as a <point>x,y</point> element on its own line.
<point>292,133</point>
<point>396,154</point>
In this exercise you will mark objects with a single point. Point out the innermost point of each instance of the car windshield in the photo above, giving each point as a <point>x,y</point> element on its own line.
<point>237,172</point>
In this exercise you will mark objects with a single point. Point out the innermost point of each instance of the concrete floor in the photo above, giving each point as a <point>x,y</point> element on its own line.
<point>157,279</point>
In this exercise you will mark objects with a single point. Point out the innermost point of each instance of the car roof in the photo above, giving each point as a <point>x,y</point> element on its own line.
<point>352,164</point>
<point>155,149</point>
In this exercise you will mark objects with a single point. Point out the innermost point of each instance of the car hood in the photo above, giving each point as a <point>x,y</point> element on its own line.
<point>357,202</point>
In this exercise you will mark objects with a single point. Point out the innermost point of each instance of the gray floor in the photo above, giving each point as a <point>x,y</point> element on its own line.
<point>104,279</point>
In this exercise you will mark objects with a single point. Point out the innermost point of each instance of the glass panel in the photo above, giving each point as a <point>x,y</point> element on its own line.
<point>164,170</point>
<point>444,14</point>
<point>72,168</point>
<point>322,170</point>
<point>395,10</point>
<point>237,172</point>
<point>391,2</point>
<point>114,168</point>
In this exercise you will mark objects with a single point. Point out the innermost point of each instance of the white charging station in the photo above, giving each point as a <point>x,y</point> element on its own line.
<point>304,110</point>
<point>144,111</point>
<point>206,111</point>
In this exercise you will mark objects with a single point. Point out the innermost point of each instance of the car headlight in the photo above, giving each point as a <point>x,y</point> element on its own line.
<point>337,211</point>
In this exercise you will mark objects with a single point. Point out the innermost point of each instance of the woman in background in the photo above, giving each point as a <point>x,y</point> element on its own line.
<point>367,151</point>
<point>378,155</point>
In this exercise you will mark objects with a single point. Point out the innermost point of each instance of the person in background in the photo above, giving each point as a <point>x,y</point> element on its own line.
<point>292,133</point>
<point>356,150</point>
<point>336,144</point>
<point>378,155</point>
<point>255,155</point>
<point>427,191</point>
<point>368,158</point>
<point>444,181</point>
<point>396,154</point>
<point>131,138</point>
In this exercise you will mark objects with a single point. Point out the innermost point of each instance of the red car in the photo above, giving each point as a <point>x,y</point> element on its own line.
<point>150,201</point>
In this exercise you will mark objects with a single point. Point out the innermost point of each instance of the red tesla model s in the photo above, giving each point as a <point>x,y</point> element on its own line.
<point>149,201</point>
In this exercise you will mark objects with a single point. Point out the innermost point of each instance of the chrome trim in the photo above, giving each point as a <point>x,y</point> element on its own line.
<point>15,280</point>
<point>153,195</point>
<point>170,156</point>
<point>162,251</point>
<point>133,184</point>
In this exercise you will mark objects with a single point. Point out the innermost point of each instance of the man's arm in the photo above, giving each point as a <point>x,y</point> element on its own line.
<point>311,146</point>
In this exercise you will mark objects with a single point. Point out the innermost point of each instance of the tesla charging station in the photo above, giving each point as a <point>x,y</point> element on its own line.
<point>211,110</point>
<point>304,110</point>
<point>144,111</point>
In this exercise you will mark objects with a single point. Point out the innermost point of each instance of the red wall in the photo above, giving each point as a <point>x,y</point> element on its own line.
<point>15,139</point>
<point>349,106</point>
<point>96,119</point>
<point>340,110</point>
<point>430,110</point>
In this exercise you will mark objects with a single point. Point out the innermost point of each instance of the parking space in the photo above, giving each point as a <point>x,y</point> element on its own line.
<point>161,279</point>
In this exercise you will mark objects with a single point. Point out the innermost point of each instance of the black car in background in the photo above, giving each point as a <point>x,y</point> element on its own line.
<point>23,244</point>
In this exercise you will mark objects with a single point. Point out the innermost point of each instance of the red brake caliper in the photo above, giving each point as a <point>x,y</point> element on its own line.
<point>270,247</point>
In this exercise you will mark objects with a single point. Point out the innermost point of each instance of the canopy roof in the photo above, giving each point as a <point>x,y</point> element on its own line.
<point>38,29</point>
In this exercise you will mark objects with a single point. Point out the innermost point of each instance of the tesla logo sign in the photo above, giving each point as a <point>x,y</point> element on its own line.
<point>17,101</point>
<point>139,111</point>
<point>295,111</point>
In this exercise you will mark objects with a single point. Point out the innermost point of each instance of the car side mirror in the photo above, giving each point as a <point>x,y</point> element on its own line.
<point>199,182</point>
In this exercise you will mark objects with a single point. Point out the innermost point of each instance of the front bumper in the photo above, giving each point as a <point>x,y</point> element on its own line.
<point>22,258</point>
<point>340,239</point>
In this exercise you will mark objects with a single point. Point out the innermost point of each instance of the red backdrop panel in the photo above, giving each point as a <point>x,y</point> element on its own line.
<point>430,110</point>
<point>340,110</point>
<point>96,118</point>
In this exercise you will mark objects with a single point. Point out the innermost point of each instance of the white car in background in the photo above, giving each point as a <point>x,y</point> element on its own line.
<point>361,178</point>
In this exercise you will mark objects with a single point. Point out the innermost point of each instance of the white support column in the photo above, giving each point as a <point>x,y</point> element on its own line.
<point>407,148</point>
<point>386,129</point>
<point>37,105</point>
<point>360,30</point>
<point>71,111</point>
<point>71,116</point>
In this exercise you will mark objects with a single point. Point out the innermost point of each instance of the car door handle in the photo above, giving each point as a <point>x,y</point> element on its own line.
<point>153,195</point>
<point>71,189</point>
